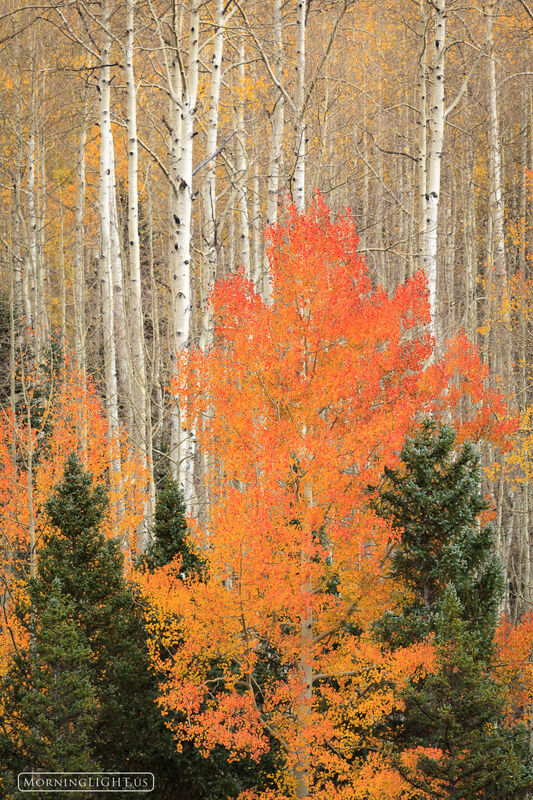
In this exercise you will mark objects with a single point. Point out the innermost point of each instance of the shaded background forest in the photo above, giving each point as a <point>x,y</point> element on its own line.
<point>145,145</point>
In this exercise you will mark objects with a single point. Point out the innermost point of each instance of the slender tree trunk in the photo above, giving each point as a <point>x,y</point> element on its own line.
<point>79,256</point>
<point>303,707</point>
<point>422,145</point>
<point>434,161</point>
<point>106,254</point>
<point>210,228</point>
<point>140,421</point>
<point>256,229</point>
<point>121,320</point>
<point>242,167</point>
<point>184,98</point>
<point>495,162</point>
<point>36,283</point>
<point>300,131</point>
<point>276,144</point>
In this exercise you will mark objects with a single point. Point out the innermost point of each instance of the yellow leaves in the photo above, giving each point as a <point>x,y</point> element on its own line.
<point>518,465</point>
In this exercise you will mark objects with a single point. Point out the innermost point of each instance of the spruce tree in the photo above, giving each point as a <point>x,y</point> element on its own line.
<point>48,699</point>
<point>169,533</point>
<point>450,586</point>
<point>128,734</point>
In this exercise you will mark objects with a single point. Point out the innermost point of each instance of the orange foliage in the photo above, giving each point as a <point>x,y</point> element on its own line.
<point>302,405</point>
<point>513,665</point>
<point>70,419</point>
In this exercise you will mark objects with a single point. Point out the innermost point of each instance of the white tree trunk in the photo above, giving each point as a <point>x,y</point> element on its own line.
<point>495,162</point>
<point>210,228</point>
<point>183,98</point>
<point>256,229</point>
<point>140,422</point>
<point>276,144</point>
<point>105,211</point>
<point>242,168</point>
<point>79,260</point>
<point>436,138</point>
<point>121,320</point>
<point>422,147</point>
<point>300,131</point>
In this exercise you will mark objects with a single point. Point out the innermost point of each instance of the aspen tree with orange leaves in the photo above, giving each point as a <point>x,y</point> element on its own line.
<point>303,401</point>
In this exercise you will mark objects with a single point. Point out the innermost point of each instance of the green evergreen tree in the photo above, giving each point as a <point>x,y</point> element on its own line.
<point>445,563</point>
<point>48,699</point>
<point>129,734</point>
<point>169,533</point>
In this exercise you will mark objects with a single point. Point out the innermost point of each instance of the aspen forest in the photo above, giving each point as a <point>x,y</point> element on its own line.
<point>266,400</point>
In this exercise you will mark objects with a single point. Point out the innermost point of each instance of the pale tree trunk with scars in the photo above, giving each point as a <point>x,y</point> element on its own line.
<point>422,142</point>
<point>105,212</point>
<point>300,130</point>
<point>183,96</point>
<point>121,321</point>
<point>276,143</point>
<point>210,231</point>
<point>79,260</point>
<point>431,180</point>
<point>36,282</point>
<point>495,161</point>
<point>497,255</point>
<point>140,421</point>
<point>242,167</point>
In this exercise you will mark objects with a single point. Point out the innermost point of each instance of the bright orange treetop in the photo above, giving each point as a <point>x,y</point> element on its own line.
<point>299,405</point>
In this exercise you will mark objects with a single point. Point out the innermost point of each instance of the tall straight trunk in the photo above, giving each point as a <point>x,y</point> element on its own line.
<point>79,256</point>
<point>21,298</point>
<point>301,772</point>
<point>62,272</point>
<point>300,131</point>
<point>36,278</point>
<point>121,320</point>
<point>106,249</point>
<point>256,229</point>
<point>495,162</point>
<point>242,167</point>
<point>184,91</point>
<point>435,124</point>
<point>210,227</point>
<point>470,248</point>
<point>154,390</point>
<point>276,143</point>
<point>140,421</point>
<point>422,144</point>
<point>502,342</point>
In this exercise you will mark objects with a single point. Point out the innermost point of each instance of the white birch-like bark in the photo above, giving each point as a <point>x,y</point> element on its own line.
<point>242,167</point>
<point>183,91</point>
<point>495,162</point>
<point>470,248</point>
<point>300,130</point>
<point>210,228</point>
<point>140,421</point>
<point>422,144</point>
<point>503,341</point>
<point>35,282</point>
<point>79,260</point>
<point>121,320</point>
<point>276,143</point>
<point>105,211</point>
<point>435,122</point>
<point>256,229</point>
